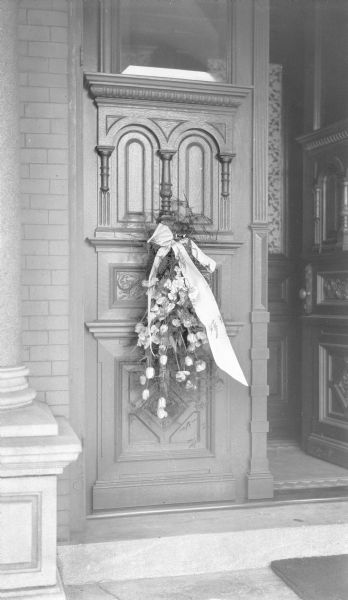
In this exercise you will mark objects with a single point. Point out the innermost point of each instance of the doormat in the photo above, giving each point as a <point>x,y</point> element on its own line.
<point>315,578</point>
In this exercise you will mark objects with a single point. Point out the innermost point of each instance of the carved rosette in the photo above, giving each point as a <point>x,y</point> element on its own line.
<point>335,288</point>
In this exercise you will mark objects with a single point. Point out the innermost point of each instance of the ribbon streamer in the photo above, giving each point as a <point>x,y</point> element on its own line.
<point>201,296</point>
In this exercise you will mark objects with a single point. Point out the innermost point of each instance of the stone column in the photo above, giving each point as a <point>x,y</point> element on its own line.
<point>14,389</point>
<point>34,446</point>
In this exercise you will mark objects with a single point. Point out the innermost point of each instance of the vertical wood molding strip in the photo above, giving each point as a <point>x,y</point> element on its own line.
<point>260,480</point>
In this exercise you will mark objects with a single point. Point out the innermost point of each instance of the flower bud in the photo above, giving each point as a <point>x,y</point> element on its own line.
<point>162,402</point>
<point>150,372</point>
<point>142,379</point>
<point>163,359</point>
<point>200,365</point>
<point>180,376</point>
<point>161,413</point>
<point>189,385</point>
<point>145,394</point>
<point>188,361</point>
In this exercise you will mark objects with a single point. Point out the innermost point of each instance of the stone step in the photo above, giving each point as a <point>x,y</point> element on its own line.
<point>255,584</point>
<point>207,542</point>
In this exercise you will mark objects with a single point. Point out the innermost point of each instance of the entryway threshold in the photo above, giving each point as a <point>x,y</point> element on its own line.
<point>255,584</point>
<point>293,469</point>
<point>207,541</point>
<point>291,495</point>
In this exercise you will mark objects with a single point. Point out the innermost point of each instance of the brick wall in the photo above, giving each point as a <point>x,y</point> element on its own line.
<point>43,65</point>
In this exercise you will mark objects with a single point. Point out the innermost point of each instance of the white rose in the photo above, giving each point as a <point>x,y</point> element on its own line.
<point>200,365</point>
<point>150,372</point>
<point>161,413</point>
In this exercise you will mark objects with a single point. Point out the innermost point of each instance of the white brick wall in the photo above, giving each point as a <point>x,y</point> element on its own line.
<point>43,64</point>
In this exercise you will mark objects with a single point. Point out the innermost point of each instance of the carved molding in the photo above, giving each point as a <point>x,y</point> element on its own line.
<point>136,239</point>
<point>333,385</point>
<point>310,483</point>
<point>220,128</point>
<point>165,480</point>
<point>336,288</point>
<point>332,287</point>
<point>167,126</point>
<point>105,86</point>
<point>126,286</point>
<point>125,329</point>
<point>275,162</point>
<point>324,137</point>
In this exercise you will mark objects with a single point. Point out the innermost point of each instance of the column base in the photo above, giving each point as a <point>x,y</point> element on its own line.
<point>33,420</point>
<point>29,466</point>
<point>14,389</point>
<point>54,592</point>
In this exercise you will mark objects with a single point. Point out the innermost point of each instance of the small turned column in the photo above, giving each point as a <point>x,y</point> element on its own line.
<point>14,391</point>
<point>225,158</point>
<point>104,213</point>
<point>166,185</point>
<point>225,212</point>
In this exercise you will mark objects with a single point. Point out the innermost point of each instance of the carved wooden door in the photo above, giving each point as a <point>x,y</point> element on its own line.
<point>145,133</point>
<point>325,295</point>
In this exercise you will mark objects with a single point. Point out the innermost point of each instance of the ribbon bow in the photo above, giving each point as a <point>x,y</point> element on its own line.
<point>201,296</point>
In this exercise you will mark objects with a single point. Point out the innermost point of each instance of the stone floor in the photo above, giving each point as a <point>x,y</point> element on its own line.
<point>255,584</point>
<point>293,469</point>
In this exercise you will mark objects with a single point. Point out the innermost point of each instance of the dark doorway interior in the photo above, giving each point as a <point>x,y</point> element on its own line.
<point>308,98</point>
<point>288,21</point>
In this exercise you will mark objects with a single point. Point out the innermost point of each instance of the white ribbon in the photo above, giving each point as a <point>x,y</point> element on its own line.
<point>201,296</point>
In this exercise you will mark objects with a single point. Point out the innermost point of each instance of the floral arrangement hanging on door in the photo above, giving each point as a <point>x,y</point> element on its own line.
<point>182,318</point>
